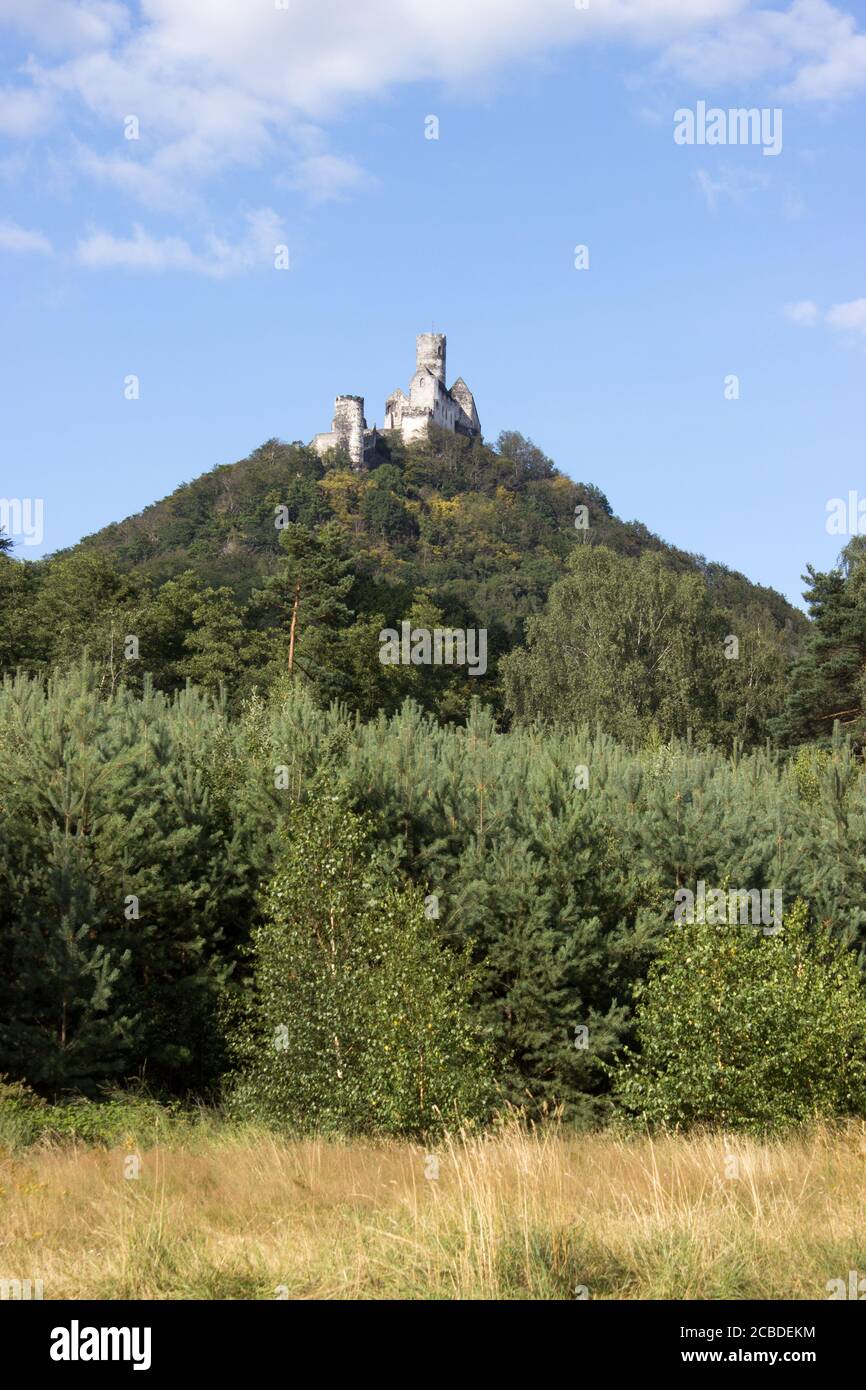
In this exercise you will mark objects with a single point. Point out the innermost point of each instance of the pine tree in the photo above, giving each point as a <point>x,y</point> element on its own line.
<point>63,1021</point>
<point>120,875</point>
<point>826,681</point>
<point>218,648</point>
<point>307,596</point>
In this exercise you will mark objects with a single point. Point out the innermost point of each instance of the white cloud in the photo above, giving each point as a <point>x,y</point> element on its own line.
<point>835,53</point>
<point>804,312</point>
<point>731,183</point>
<point>20,240</point>
<point>311,56</point>
<point>143,181</point>
<point>327,176</point>
<point>217,83</point>
<point>218,258</point>
<point>811,49</point>
<point>850,316</point>
<point>24,111</point>
<point>74,24</point>
<point>840,74</point>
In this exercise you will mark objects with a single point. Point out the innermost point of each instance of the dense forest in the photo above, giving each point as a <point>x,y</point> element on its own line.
<point>243,859</point>
<point>448,532</point>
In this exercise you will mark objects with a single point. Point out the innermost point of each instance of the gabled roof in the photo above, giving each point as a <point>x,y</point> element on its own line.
<point>464,388</point>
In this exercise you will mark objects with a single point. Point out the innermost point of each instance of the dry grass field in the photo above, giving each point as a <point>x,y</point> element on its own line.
<point>242,1215</point>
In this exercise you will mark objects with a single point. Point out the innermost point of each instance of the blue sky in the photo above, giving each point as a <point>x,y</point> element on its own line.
<point>305,127</point>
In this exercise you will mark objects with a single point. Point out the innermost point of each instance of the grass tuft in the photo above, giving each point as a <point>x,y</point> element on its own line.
<point>222,1213</point>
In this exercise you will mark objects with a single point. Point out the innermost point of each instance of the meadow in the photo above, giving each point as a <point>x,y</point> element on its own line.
<point>219,1212</point>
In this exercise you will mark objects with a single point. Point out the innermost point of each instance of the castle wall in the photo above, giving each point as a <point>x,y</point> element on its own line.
<point>414,424</point>
<point>323,443</point>
<point>466,420</point>
<point>394,407</point>
<point>429,401</point>
<point>428,393</point>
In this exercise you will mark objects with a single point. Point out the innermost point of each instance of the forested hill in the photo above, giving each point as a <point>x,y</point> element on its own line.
<point>448,531</point>
<point>486,529</point>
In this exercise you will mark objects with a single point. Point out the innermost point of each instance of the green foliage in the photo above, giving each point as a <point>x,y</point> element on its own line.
<point>205,580</point>
<point>17,590</point>
<point>634,646</point>
<point>218,646</point>
<point>21,1114</point>
<point>560,893</point>
<point>359,1021</point>
<point>121,876</point>
<point>739,1029</point>
<point>309,596</point>
<point>123,786</point>
<point>132,1117</point>
<point>828,680</point>
<point>385,516</point>
<point>808,764</point>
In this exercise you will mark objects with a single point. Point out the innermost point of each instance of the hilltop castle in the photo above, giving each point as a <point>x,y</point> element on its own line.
<point>429,402</point>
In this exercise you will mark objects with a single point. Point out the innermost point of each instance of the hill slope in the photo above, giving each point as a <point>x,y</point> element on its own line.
<point>482,526</point>
<point>446,531</point>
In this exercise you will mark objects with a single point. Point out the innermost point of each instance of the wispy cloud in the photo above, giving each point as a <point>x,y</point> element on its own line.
<point>325,177</point>
<point>222,85</point>
<point>217,258</point>
<point>730,183</point>
<point>143,181</point>
<point>850,317</point>
<point>811,49</point>
<point>805,312</point>
<point>73,25</point>
<point>23,242</point>
<point>25,111</point>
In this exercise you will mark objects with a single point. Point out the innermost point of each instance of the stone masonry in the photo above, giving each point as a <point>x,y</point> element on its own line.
<point>429,402</point>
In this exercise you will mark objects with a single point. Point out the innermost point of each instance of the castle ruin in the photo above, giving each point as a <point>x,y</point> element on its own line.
<point>429,402</point>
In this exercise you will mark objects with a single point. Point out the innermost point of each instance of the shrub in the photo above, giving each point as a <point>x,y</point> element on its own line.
<point>360,1021</point>
<point>119,1117</point>
<point>21,1113</point>
<point>741,1030</point>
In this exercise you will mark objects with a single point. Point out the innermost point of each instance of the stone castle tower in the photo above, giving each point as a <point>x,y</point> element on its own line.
<point>429,402</point>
